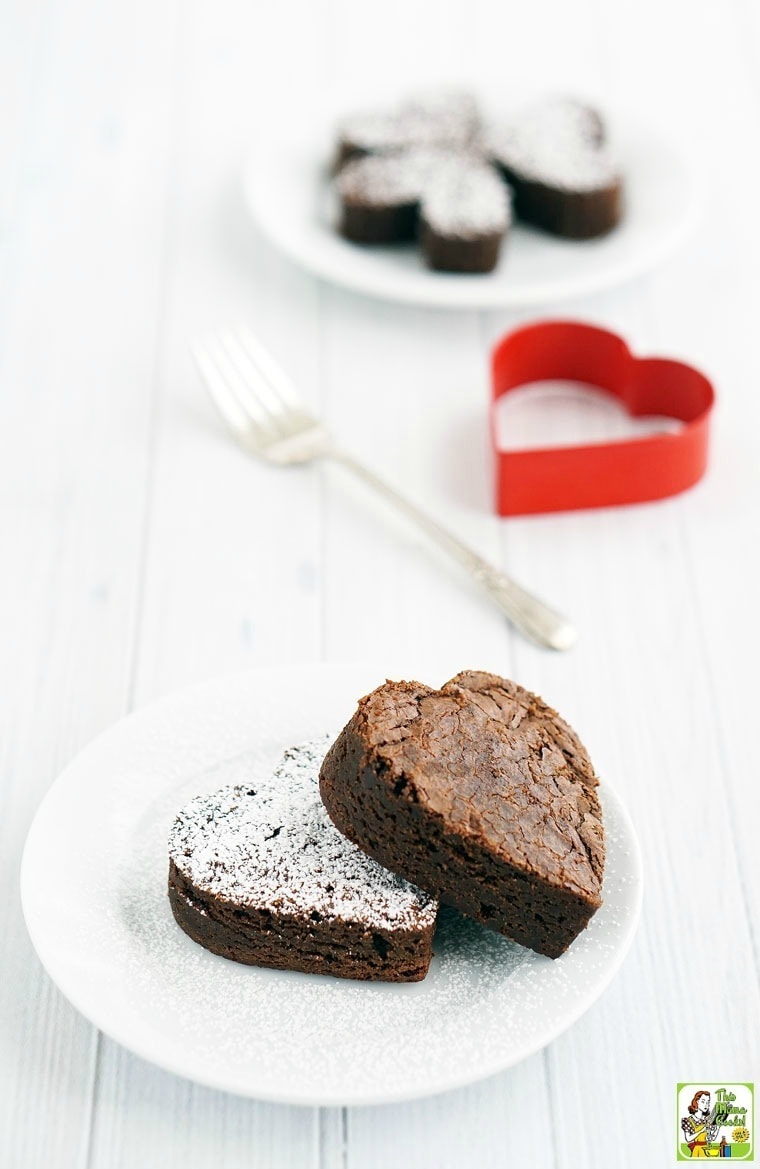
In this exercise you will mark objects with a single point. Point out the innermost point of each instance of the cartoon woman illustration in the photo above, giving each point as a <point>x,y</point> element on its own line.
<point>699,1129</point>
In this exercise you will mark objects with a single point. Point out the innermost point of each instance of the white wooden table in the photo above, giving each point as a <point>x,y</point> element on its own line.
<point>141,552</point>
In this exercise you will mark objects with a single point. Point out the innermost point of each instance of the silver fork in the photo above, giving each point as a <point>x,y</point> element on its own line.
<point>265,414</point>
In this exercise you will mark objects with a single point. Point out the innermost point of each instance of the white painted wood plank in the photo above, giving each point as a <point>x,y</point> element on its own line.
<point>409,415</point>
<point>545,45</point>
<point>640,689</point>
<point>343,577</point>
<point>22,57</point>
<point>145,1117</point>
<point>232,564</point>
<point>718,524</point>
<point>234,545</point>
<point>427,399</point>
<point>637,689</point>
<point>332,1124</point>
<point>502,1121</point>
<point>78,324</point>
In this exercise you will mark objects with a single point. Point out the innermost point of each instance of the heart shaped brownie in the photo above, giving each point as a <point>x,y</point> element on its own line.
<point>439,118</point>
<point>480,794</point>
<point>257,873</point>
<point>559,165</point>
<point>454,202</point>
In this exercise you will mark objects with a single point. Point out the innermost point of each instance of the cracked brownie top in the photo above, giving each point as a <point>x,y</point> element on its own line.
<point>494,762</point>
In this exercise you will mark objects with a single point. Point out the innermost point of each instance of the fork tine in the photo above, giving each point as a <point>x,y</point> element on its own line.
<point>249,389</point>
<point>245,423</point>
<point>251,384</point>
<point>272,371</point>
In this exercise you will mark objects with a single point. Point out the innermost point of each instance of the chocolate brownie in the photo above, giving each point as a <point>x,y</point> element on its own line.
<point>380,196</point>
<point>455,202</point>
<point>447,118</point>
<point>559,165</point>
<point>479,793</point>
<point>464,216</point>
<point>259,874</point>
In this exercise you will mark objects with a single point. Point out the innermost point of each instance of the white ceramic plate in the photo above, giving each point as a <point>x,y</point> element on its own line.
<point>93,887</point>
<point>287,193</point>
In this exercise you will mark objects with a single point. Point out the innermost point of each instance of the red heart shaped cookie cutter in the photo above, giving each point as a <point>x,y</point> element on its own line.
<point>599,474</point>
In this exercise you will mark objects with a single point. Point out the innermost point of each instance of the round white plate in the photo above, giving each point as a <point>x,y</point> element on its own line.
<point>287,193</point>
<point>93,887</point>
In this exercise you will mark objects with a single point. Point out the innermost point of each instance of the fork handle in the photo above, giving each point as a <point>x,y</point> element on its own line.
<point>529,614</point>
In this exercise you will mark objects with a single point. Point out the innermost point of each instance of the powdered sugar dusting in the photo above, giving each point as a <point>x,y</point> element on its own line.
<point>444,117</point>
<point>388,180</point>
<point>459,194</point>
<point>272,845</point>
<point>462,198</point>
<point>333,1039</point>
<point>559,142</point>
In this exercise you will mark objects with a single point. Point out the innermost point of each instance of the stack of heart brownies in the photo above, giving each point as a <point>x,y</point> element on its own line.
<point>477,795</point>
<point>434,170</point>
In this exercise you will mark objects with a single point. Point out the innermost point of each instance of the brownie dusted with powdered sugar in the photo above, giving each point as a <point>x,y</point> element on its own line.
<point>558,162</point>
<point>259,874</point>
<point>444,118</point>
<point>456,205</point>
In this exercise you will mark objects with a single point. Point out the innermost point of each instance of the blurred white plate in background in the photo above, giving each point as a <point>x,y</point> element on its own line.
<point>287,193</point>
<point>93,889</point>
